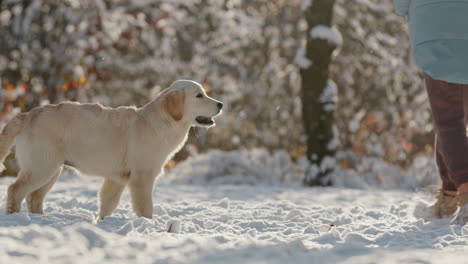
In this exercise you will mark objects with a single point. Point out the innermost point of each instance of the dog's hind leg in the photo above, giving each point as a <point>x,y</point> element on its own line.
<point>27,182</point>
<point>17,191</point>
<point>109,197</point>
<point>35,199</point>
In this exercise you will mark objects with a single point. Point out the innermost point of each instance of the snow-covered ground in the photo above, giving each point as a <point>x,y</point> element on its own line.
<point>208,223</point>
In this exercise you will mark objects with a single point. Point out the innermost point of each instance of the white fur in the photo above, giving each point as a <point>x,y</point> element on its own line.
<point>125,145</point>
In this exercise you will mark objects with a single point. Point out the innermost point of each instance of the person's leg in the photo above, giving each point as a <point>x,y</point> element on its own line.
<point>448,111</point>
<point>462,182</point>
<point>448,187</point>
<point>449,108</point>
<point>446,203</point>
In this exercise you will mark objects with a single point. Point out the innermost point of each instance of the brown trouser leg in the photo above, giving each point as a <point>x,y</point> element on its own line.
<point>449,105</point>
<point>447,183</point>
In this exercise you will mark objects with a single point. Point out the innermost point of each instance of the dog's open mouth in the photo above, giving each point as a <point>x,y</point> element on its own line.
<point>203,120</point>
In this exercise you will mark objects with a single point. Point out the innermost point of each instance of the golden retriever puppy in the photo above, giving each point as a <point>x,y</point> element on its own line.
<point>125,145</point>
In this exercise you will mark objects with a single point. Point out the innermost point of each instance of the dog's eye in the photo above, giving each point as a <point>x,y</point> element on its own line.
<point>199,95</point>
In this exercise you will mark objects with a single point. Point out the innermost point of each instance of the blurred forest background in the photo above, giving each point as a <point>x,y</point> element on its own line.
<point>247,53</point>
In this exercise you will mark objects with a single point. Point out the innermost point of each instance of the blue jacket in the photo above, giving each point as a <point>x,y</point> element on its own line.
<point>438,32</point>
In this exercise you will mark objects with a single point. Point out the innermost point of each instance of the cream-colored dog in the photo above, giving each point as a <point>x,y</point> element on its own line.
<point>126,145</point>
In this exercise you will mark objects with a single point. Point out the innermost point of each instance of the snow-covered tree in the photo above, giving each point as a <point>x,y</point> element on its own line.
<point>319,93</point>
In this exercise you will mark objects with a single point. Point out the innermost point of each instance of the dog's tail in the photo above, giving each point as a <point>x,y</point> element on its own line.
<point>11,130</point>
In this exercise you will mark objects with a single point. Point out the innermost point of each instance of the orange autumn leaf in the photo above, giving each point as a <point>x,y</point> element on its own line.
<point>83,80</point>
<point>408,146</point>
<point>344,164</point>
<point>7,109</point>
<point>64,87</point>
<point>75,84</point>
<point>370,120</point>
<point>358,150</point>
<point>166,14</point>
<point>298,152</point>
<point>21,104</point>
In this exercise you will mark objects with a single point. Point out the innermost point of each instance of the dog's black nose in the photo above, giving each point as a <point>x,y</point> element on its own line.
<point>220,106</point>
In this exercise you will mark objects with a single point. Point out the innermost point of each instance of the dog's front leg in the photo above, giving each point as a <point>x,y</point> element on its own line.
<point>141,191</point>
<point>109,197</point>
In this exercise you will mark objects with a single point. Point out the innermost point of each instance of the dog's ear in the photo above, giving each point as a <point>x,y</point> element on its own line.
<point>174,104</point>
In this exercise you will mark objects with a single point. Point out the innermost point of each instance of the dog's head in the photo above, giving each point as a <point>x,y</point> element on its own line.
<point>186,101</point>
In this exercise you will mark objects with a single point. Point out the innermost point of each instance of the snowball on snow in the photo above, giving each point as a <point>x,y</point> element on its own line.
<point>173,226</point>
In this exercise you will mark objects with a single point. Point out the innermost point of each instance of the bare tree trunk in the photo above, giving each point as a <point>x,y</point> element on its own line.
<point>318,116</point>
